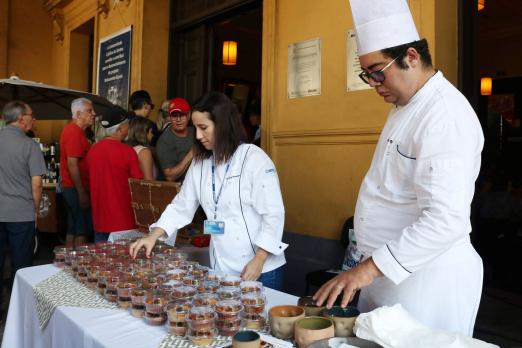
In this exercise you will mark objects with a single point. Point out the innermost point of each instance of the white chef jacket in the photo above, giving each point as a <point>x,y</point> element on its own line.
<point>413,209</point>
<point>250,204</point>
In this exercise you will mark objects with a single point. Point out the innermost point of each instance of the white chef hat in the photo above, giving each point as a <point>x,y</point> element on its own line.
<point>381,24</point>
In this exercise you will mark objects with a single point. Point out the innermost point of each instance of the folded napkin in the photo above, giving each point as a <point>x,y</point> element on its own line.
<point>394,327</point>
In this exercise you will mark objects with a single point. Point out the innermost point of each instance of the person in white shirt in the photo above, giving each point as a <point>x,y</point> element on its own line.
<point>412,217</point>
<point>238,188</point>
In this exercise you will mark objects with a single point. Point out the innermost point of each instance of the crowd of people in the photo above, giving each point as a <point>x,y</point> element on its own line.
<point>94,174</point>
<point>412,216</point>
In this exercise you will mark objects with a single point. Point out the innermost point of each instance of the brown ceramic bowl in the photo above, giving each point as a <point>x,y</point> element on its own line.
<point>311,309</point>
<point>282,319</point>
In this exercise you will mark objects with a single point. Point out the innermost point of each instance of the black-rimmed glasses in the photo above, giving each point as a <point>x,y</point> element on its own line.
<point>377,76</point>
<point>177,115</point>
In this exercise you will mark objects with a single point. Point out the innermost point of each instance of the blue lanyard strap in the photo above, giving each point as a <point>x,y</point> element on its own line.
<point>216,199</point>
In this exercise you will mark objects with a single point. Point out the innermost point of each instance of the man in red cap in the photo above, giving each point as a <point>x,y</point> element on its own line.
<point>174,147</point>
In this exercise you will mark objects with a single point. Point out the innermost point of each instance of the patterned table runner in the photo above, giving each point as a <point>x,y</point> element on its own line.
<point>63,290</point>
<point>171,341</point>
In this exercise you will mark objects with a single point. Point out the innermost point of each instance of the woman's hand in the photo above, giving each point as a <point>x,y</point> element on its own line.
<point>147,242</point>
<point>254,267</point>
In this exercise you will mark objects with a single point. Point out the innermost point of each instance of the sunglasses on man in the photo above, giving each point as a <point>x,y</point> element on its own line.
<point>377,76</point>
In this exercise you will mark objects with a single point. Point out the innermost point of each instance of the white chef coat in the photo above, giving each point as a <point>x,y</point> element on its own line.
<point>413,211</point>
<point>250,204</point>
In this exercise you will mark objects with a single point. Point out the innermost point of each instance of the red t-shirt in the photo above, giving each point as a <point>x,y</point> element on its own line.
<point>74,143</point>
<point>111,164</point>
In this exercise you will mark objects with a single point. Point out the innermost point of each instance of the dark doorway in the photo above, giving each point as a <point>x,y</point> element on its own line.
<point>240,82</point>
<point>81,60</point>
<point>489,47</point>
<point>497,208</point>
<point>198,31</point>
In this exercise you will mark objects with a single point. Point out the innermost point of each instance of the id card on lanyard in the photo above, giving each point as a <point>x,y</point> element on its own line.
<point>215,226</point>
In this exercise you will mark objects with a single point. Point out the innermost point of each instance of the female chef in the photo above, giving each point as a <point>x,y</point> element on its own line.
<point>238,188</point>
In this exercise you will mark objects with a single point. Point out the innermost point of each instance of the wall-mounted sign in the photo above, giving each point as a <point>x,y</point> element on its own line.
<point>304,68</point>
<point>353,81</point>
<point>114,61</point>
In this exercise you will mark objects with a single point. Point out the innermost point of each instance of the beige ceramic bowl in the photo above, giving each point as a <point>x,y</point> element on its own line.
<point>343,318</point>
<point>282,319</point>
<point>312,329</point>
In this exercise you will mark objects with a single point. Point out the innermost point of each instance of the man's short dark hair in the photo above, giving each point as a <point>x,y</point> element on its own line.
<point>139,99</point>
<point>421,46</point>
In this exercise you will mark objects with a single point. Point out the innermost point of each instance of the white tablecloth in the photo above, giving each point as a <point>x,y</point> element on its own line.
<point>71,327</point>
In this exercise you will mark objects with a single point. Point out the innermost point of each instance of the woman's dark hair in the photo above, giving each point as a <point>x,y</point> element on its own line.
<point>138,129</point>
<point>421,46</point>
<point>227,126</point>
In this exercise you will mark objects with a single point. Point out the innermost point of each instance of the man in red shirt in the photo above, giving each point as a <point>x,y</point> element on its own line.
<point>111,164</point>
<point>74,147</point>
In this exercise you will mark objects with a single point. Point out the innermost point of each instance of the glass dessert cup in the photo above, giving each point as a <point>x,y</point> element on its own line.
<point>208,286</point>
<point>228,309</point>
<point>229,293</point>
<point>205,299</point>
<point>203,338</point>
<point>253,302</point>
<point>230,280</point>
<point>251,286</point>
<point>183,292</point>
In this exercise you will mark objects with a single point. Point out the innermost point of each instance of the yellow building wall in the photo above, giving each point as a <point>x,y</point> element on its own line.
<point>322,145</point>
<point>26,48</point>
<point>4,31</point>
<point>29,48</point>
<point>29,32</point>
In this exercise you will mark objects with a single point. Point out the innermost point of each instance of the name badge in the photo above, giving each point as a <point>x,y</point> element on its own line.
<point>213,227</point>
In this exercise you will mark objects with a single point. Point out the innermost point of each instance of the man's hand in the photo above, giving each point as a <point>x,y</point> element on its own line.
<point>254,267</point>
<point>84,200</point>
<point>347,282</point>
<point>147,242</point>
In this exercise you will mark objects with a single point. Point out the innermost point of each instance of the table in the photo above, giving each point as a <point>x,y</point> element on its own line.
<point>71,327</point>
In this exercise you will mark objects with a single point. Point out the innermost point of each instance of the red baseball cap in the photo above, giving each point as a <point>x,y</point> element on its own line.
<point>179,105</point>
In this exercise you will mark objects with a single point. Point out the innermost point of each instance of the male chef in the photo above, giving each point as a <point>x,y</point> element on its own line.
<point>412,217</point>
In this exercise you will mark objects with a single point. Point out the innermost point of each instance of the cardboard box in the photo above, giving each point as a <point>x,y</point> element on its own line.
<point>149,198</point>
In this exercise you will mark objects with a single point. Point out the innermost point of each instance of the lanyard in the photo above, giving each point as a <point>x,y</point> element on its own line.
<point>216,199</point>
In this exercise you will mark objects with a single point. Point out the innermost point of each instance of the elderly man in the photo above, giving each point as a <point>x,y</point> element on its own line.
<point>21,168</point>
<point>174,149</point>
<point>111,164</point>
<point>74,147</point>
<point>412,217</point>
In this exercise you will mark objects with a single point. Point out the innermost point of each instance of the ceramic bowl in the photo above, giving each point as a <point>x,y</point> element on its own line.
<point>343,318</point>
<point>312,329</point>
<point>246,339</point>
<point>308,303</point>
<point>282,319</point>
